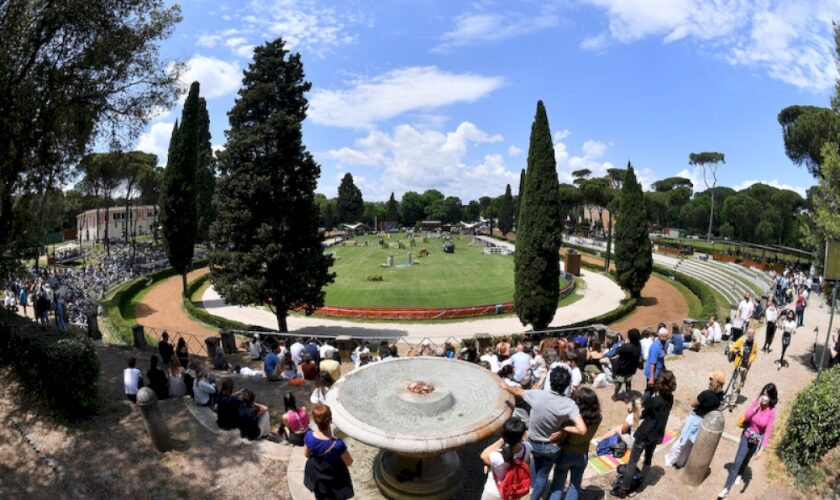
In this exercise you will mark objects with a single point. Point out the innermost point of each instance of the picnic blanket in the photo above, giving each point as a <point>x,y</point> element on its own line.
<point>607,463</point>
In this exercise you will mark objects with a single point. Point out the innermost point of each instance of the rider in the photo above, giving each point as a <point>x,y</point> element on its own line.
<point>745,353</point>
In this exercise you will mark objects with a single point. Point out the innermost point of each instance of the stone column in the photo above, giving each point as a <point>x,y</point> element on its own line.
<point>410,259</point>
<point>708,437</point>
<point>390,261</point>
<point>153,418</point>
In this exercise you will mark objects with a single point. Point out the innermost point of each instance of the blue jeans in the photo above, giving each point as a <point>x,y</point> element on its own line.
<point>568,462</point>
<point>742,459</point>
<point>543,458</point>
<point>800,316</point>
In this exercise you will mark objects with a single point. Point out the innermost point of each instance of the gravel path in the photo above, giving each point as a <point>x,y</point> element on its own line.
<point>162,308</point>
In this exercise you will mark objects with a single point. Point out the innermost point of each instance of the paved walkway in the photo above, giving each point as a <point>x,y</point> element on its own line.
<point>602,295</point>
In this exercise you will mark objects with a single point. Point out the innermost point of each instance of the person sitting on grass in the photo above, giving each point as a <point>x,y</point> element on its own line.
<point>132,380</point>
<point>295,421</point>
<point>220,363</point>
<point>255,348</point>
<point>253,420</point>
<point>227,406</point>
<point>323,383</point>
<point>287,368</point>
<point>204,391</point>
<point>309,368</point>
<point>330,365</point>
<point>157,379</point>
<point>272,361</point>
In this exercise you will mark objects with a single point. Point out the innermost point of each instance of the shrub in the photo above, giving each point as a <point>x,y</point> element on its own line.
<point>60,369</point>
<point>375,277</point>
<point>812,428</point>
<point>697,287</point>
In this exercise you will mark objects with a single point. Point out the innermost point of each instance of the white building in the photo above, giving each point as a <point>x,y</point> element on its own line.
<point>140,220</point>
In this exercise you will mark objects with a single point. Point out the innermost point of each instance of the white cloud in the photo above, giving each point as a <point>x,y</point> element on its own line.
<point>413,159</point>
<point>208,41</point>
<point>156,140</point>
<point>385,96</point>
<point>217,77</point>
<point>514,151</point>
<point>775,183</point>
<point>791,41</point>
<point>235,41</point>
<point>486,27</point>
<point>568,163</point>
<point>695,175</point>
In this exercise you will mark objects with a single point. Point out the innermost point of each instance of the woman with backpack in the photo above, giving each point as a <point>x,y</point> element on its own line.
<point>575,454</point>
<point>327,460</point>
<point>507,459</point>
<point>295,421</point>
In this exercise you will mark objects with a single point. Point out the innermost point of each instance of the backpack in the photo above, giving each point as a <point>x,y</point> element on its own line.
<point>517,481</point>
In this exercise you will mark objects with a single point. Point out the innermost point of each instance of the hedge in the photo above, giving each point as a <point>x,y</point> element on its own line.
<point>812,429</point>
<point>60,369</point>
<point>202,315</point>
<point>118,302</point>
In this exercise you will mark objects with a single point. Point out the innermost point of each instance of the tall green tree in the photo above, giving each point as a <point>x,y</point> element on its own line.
<point>709,162</point>
<point>506,212</point>
<point>350,204</point>
<point>205,175</point>
<point>519,197</point>
<point>178,206</point>
<point>412,208</point>
<point>150,183</point>
<point>393,209</point>
<point>267,247</point>
<point>73,71</point>
<point>633,253</point>
<point>539,234</point>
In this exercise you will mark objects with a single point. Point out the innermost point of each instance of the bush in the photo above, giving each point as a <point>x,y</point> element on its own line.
<point>812,428</point>
<point>375,277</point>
<point>60,369</point>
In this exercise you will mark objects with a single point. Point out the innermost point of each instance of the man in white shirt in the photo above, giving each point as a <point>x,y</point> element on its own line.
<point>296,350</point>
<point>742,317</point>
<point>646,342</point>
<point>491,359</point>
<point>357,353</point>
<point>712,332</point>
<point>327,347</point>
<point>132,380</point>
<point>770,317</point>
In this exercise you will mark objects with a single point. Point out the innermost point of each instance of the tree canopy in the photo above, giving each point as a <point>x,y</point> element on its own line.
<point>350,204</point>
<point>267,247</point>
<point>633,252</point>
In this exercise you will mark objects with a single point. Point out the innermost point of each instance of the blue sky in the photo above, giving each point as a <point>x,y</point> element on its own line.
<point>412,95</point>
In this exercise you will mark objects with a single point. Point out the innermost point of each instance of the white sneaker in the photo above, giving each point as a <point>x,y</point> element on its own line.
<point>738,480</point>
<point>723,493</point>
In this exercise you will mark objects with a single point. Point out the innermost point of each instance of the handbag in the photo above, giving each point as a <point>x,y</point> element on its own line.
<point>742,423</point>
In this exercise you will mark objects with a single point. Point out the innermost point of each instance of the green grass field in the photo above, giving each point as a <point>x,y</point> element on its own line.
<point>465,278</point>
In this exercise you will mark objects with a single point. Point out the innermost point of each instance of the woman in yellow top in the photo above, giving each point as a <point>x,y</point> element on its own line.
<point>745,351</point>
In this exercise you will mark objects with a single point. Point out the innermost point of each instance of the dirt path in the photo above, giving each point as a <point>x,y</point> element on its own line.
<point>660,302</point>
<point>162,308</point>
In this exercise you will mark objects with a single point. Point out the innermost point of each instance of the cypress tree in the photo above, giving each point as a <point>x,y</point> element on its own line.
<point>519,197</point>
<point>350,205</point>
<point>267,247</point>
<point>633,258</point>
<point>539,234</point>
<point>205,178</point>
<point>178,216</point>
<point>393,209</point>
<point>506,212</point>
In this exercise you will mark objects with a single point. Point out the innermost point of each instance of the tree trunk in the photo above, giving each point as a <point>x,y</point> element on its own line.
<point>609,243</point>
<point>184,283</point>
<point>281,311</point>
<point>711,216</point>
<point>107,231</point>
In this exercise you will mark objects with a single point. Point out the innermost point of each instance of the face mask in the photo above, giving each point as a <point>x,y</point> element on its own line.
<point>765,400</point>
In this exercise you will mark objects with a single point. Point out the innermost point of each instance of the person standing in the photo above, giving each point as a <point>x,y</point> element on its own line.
<point>165,349</point>
<point>788,329</point>
<point>770,317</point>
<point>23,297</point>
<point>626,362</point>
<point>501,456</point>
<point>801,303</point>
<point>745,353</point>
<point>58,308</point>
<point>575,454</point>
<point>326,473</point>
<point>705,402</point>
<point>655,360</point>
<point>651,430</point>
<point>742,317</point>
<point>132,380</point>
<point>183,352</point>
<point>758,426</point>
<point>550,412</point>
<point>503,349</point>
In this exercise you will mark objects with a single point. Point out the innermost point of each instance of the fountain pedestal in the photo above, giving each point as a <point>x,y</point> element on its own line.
<point>432,477</point>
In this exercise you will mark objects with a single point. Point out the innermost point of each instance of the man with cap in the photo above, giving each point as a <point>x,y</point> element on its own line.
<point>705,402</point>
<point>656,359</point>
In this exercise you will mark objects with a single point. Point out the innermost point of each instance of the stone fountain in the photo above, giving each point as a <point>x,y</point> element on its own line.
<point>417,411</point>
